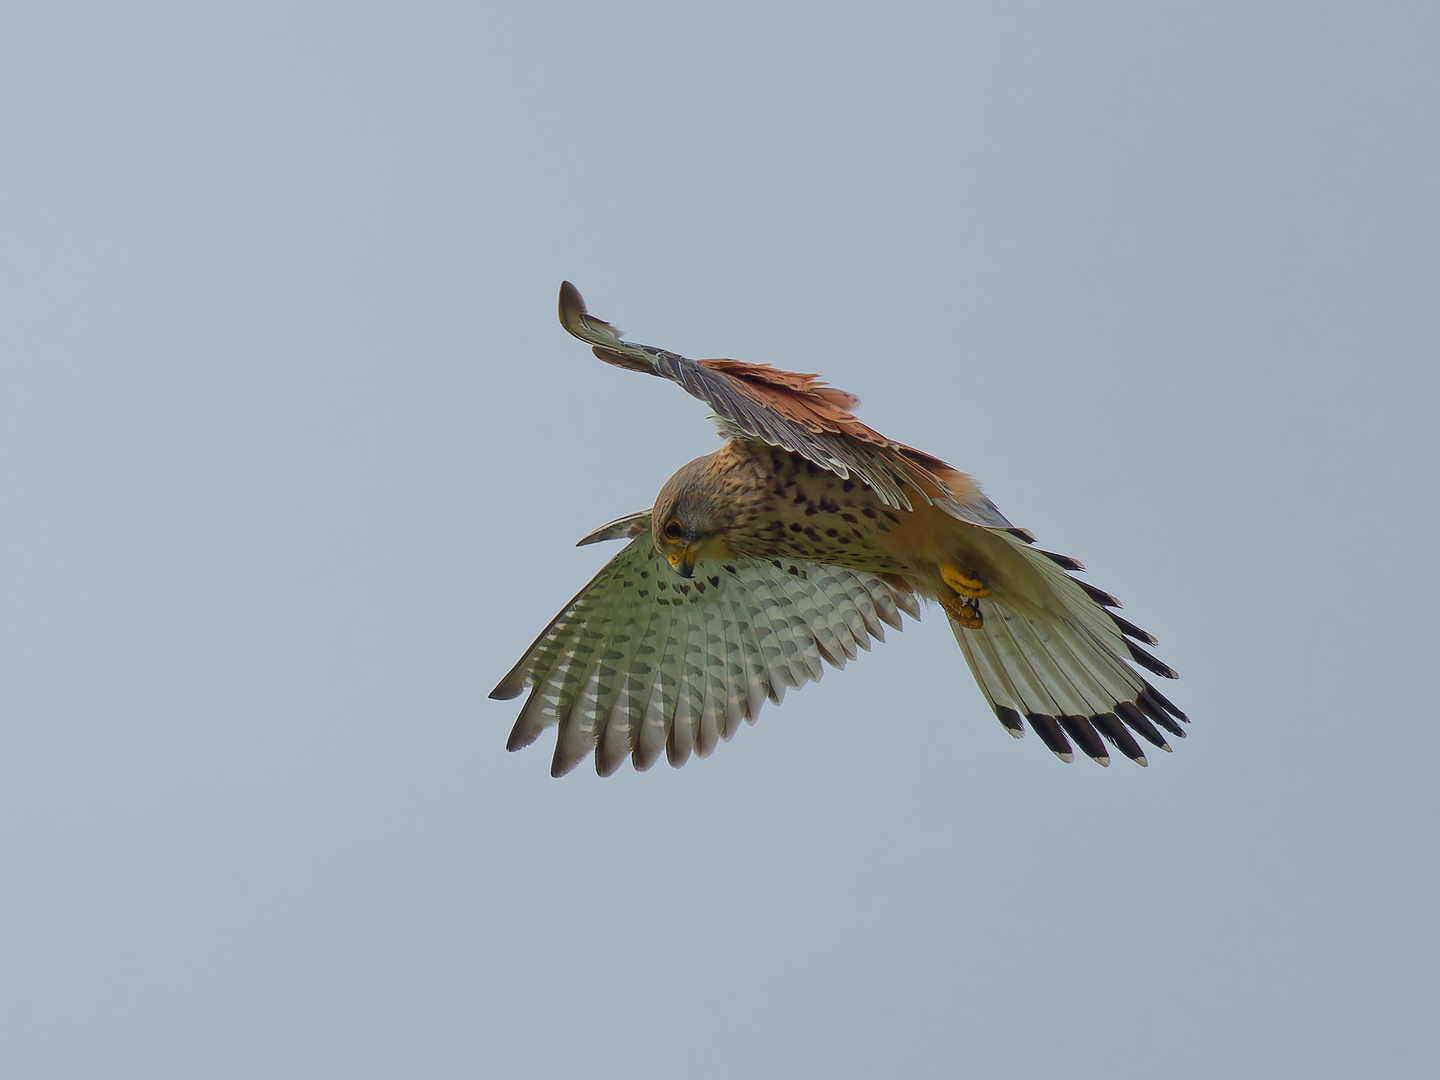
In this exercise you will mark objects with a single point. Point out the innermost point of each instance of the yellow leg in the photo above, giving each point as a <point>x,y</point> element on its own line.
<point>963,580</point>
<point>965,612</point>
<point>964,605</point>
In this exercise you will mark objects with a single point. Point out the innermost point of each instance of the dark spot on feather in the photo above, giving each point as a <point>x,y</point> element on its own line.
<point>662,584</point>
<point>800,496</point>
<point>831,532</point>
<point>869,511</point>
<point>849,485</point>
<point>729,568</point>
<point>715,581</point>
<point>644,592</point>
<point>892,516</point>
<point>811,468</point>
<point>700,585</point>
<point>685,589</point>
<point>844,539</point>
<point>810,510</point>
<point>775,563</point>
<point>644,573</point>
<point>851,518</point>
<point>795,570</point>
<point>795,526</point>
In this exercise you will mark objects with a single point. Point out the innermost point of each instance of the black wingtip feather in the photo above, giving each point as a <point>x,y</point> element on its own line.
<point>1131,714</point>
<point>1149,663</point>
<point>1100,596</point>
<point>1023,534</point>
<point>1116,734</point>
<point>1158,713</point>
<point>1051,735</point>
<point>1010,719</point>
<point>1129,629</point>
<point>1062,560</point>
<point>1166,703</point>
<point>1080,729</point>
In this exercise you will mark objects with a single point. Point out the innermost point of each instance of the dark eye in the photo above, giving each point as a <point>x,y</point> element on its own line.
<point>674,530</point>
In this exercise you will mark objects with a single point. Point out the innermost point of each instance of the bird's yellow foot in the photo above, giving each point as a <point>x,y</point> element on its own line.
<point>963,580</point>
<point>963,611</point>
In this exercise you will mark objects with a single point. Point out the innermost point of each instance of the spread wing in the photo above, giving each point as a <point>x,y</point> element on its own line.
<point>644,662</point>
<point>796,412</point>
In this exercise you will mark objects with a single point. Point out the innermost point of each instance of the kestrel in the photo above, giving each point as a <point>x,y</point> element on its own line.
<point>791,545</point>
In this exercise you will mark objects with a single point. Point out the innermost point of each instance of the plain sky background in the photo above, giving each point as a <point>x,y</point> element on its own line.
<point>293,453</point>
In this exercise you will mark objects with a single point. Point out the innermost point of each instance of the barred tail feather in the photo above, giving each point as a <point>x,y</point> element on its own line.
<point>1065,665</point>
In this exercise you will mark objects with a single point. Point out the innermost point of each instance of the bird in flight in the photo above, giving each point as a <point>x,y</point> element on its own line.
<point>791,545</point>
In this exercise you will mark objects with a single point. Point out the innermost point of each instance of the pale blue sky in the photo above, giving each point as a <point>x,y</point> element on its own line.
<point>293,453</point>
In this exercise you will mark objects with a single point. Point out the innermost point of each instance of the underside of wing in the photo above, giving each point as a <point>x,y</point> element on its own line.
<point>644,663</point>
<point>793,411</point>
<point>1065,666</point>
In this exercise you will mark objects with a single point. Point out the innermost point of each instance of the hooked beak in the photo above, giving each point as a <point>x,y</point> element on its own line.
<point>682,561</point>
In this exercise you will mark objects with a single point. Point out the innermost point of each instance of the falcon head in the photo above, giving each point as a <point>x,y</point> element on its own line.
<point>689,522</point>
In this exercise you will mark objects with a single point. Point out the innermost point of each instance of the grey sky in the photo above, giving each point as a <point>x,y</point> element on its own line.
<point>294,453</point>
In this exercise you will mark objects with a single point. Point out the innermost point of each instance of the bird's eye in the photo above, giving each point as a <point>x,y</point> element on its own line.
<point>674,530</point>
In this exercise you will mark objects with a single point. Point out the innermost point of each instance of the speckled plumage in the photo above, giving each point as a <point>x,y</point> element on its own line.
<point>778,503</point>
<point>790,545</point>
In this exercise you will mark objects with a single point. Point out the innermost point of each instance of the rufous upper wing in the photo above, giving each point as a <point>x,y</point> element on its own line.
<point>794,411</point>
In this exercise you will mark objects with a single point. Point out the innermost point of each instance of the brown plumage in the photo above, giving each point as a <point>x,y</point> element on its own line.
<point>791,544</point>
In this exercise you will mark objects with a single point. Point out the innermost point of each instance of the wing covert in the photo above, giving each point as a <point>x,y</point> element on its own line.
<point>793,411</point>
